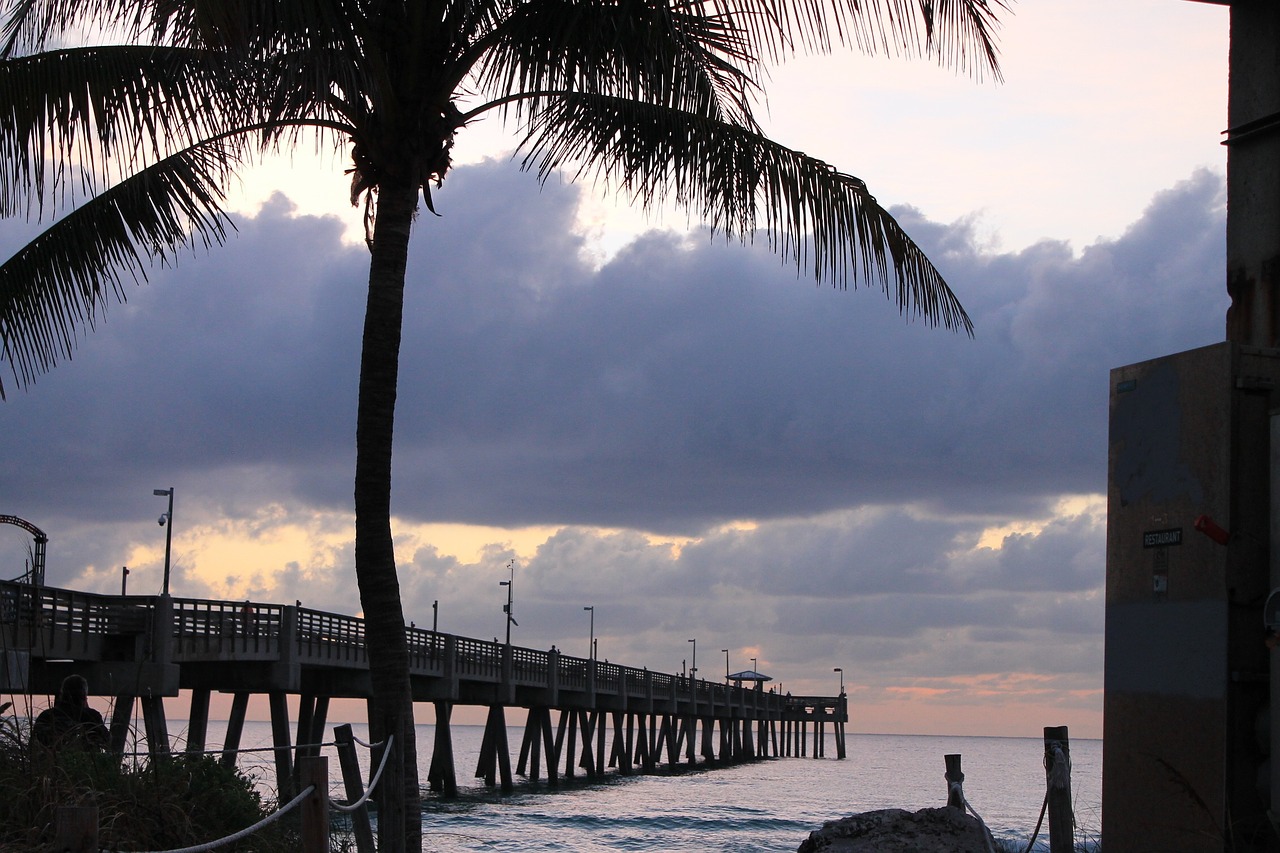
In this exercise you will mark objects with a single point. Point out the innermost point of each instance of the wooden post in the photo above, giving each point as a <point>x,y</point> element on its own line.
<point>955,782</point>
<point>587,724</point>
<point>153,722</point>
<point>528,742</point>
<point>235,727</point>
<point>601,723</point>
<point>549,747</point>
<point>441,776</point>
<point>76,829</point>
<point>198,720</point>
<point>121,717</point>
<point>353,782</point>
<point>280,740</point>
<point>313,772</point>
<point>503,751</point>
<point>571,740</point>
<point>1057,769</point>
<point>622,743</point>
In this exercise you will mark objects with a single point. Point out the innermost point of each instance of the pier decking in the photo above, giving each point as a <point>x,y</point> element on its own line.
<point>148,648</point>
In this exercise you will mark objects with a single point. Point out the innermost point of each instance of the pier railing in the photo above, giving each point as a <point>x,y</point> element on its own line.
<point>51,624</point>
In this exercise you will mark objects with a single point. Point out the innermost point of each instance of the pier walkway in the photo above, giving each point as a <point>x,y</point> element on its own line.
<point>147,648</point>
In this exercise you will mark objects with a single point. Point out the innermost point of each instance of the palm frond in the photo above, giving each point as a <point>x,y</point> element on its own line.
<point>63,280</point>
<point>740,182</point>
<point>957,33</point>
<point>36,25</point>
<point>74,118</point>
<point>254,28</point>
<point>648,50</point>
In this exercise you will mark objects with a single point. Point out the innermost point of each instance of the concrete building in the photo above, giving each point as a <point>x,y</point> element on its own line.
<point>1191,544</point>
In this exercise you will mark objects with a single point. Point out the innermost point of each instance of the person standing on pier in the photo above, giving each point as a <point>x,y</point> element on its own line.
<point>71,722</point>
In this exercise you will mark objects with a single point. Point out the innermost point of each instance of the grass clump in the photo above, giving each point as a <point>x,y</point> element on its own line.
<point>157,804</point>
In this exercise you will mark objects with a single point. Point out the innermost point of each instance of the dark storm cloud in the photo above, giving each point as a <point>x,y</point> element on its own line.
<point>687,382</point>
<point>683,383</point>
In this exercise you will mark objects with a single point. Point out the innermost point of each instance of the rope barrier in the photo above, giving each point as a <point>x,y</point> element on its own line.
<point>248,830</point>
<point>137,753</point>
<point>1044,807</point>
<point>1060,773</point>
<point>368,745</point>
<point>1059,776</point>
<point>350,807</point>
<point>956,790</point>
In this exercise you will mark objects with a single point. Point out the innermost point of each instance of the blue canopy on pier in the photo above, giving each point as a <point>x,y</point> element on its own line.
<point>749,675</point>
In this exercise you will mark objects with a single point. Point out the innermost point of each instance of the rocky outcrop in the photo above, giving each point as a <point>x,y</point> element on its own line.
<point>941,830</point>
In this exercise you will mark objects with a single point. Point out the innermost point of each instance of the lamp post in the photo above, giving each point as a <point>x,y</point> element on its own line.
<point>591,641</point>
<point>693,668</point>
<point>124,580</point>
<point>435,614</point>
<point>841,671</point>
<point>726,665</point>
<point>509,584</point>
<point>166,521</point>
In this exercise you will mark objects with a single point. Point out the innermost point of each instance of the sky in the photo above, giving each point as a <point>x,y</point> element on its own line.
<point>681,433</point>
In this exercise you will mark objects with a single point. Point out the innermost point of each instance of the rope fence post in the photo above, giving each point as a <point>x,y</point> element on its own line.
<point>955,782</point>
<point>313,772</point>
<point>76,829</point>
<point>353,782</point>
<point>1057,769</point>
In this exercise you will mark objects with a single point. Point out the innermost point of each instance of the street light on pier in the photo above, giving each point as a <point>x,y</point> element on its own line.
<point>506,608</point>
<point>841,671</point>
<point>693,668</point>
<point>755,666</point>
<point>591,641</point>
<point>726,665</point>
<point>166,521</point>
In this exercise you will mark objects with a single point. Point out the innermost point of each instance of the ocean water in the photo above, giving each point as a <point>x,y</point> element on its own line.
<point>769,805</point>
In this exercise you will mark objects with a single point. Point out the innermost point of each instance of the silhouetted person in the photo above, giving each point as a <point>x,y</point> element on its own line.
<point>71,722</point>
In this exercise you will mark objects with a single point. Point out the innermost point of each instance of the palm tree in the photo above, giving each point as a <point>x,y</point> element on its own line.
<point>125,141</point>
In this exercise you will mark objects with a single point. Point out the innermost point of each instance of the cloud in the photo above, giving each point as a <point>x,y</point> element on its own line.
<point>682,384</point>
<point>791,471</point>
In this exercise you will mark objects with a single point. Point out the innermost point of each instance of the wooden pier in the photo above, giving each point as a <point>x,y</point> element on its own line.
<point>144,649</point>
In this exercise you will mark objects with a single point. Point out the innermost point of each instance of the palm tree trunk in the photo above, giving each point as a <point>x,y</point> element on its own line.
<point>391,713</point>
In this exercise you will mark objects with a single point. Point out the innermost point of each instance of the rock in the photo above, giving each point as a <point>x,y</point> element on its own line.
<point>940,830</point>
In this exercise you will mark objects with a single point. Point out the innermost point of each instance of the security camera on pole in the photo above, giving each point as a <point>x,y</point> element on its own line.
<point>166,521</point>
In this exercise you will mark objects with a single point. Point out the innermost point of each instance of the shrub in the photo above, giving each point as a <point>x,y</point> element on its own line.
<point>158,804</point>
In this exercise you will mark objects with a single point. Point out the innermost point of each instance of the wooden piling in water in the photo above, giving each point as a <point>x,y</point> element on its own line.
<point>570,741</point>
<point>280,740</point>
<point>549,746</point>
<point>235,728</point>
<point>153,721</point>
<point>198,720</point>
<point>441,775</point>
